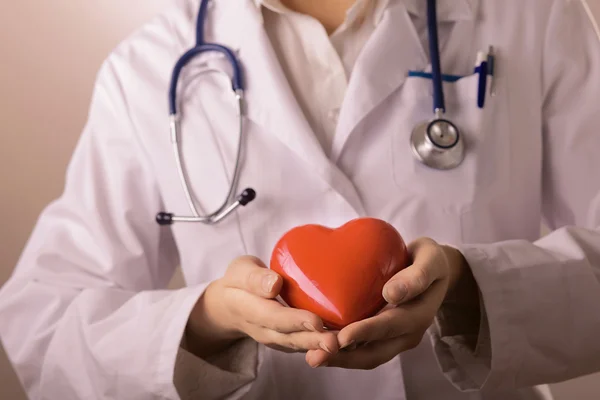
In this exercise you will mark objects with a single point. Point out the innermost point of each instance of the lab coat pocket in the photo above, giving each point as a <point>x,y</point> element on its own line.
<point>484,131</point>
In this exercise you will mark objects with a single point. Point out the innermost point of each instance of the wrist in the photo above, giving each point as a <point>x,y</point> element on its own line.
<point>460,312</point>
<point>462,286</point>
<point>457,265</point>
<point>209,330</point>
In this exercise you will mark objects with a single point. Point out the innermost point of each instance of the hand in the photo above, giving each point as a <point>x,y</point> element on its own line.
<point>414,295</point>
<point>242,304</point>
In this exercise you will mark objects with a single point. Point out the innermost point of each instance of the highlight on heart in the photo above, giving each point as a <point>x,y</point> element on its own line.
<point>339,273</point>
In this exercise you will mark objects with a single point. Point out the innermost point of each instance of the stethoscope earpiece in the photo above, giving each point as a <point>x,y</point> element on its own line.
<point>164,218</point>
<point>246,197</point>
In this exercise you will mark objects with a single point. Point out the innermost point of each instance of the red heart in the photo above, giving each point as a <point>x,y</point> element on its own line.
<point>339,274</point>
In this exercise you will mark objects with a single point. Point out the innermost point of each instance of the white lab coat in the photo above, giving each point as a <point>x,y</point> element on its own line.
<point>86,314</point>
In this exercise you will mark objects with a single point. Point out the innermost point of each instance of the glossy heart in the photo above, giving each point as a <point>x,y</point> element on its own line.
<point>339,274</point>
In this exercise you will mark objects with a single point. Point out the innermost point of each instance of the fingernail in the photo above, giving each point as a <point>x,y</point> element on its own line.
<point>309,327</point>
<point>268,283</point>
<point>350,343</point>
<point>323,364</point>
<point>395,293</point>
<point>324,347</point>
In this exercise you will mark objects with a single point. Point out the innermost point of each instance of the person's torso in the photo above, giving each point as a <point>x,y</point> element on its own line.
<point>371,171</point>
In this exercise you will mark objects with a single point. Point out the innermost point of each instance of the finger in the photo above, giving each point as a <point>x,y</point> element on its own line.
<point>373,355</point>
<point>272,315</point>
<point>299,341</point>
<point>317,358</point>
<point>283,349</point>
<point>413,317</point>
<point>429,265</point>
<point>387,325</point>
<point>251,274</point>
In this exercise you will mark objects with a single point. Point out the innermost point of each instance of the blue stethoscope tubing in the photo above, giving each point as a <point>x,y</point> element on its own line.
<point>200,48</point>
<point>434,51</point>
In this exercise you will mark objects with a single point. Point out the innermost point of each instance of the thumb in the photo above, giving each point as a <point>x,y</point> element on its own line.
<point>251,275</point>
<point>428,266</point>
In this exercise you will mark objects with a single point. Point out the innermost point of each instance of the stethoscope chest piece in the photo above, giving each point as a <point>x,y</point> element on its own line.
<point>438,144</point>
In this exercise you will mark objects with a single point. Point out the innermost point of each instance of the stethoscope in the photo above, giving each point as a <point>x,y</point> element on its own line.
<point>228,206</point>
<point>436,143</point>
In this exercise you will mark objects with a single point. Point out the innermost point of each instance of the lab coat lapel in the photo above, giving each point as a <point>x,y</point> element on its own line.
<point>382,67</point>
<point>448,10</point>
<point>394,49</point>
<point>270,103</point>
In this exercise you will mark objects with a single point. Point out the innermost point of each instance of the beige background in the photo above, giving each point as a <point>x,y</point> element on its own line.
<point>49,55</point>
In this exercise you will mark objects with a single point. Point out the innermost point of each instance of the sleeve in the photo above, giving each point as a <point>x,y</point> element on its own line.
<point>86,313</point>
<point>230,373</point>
<point>540,302</point>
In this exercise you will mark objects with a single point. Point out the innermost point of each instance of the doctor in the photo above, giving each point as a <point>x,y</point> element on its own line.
<point>333,93</point>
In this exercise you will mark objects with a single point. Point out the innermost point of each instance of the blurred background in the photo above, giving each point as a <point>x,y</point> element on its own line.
<point>50,53</point>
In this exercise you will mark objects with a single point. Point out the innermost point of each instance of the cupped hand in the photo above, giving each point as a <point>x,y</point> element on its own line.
<point>243,304</point>
<point>414,296</point>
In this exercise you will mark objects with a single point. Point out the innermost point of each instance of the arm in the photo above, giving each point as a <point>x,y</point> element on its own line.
<point>86,314</point>
<point>540,301</point>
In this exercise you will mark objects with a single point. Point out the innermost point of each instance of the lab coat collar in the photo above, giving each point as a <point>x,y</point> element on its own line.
<point>358,10</point>
<point>397,42</point>
<point>270,101</point>
<point>274,5</point>
<point>447,10</point>
<point>271,104</point>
